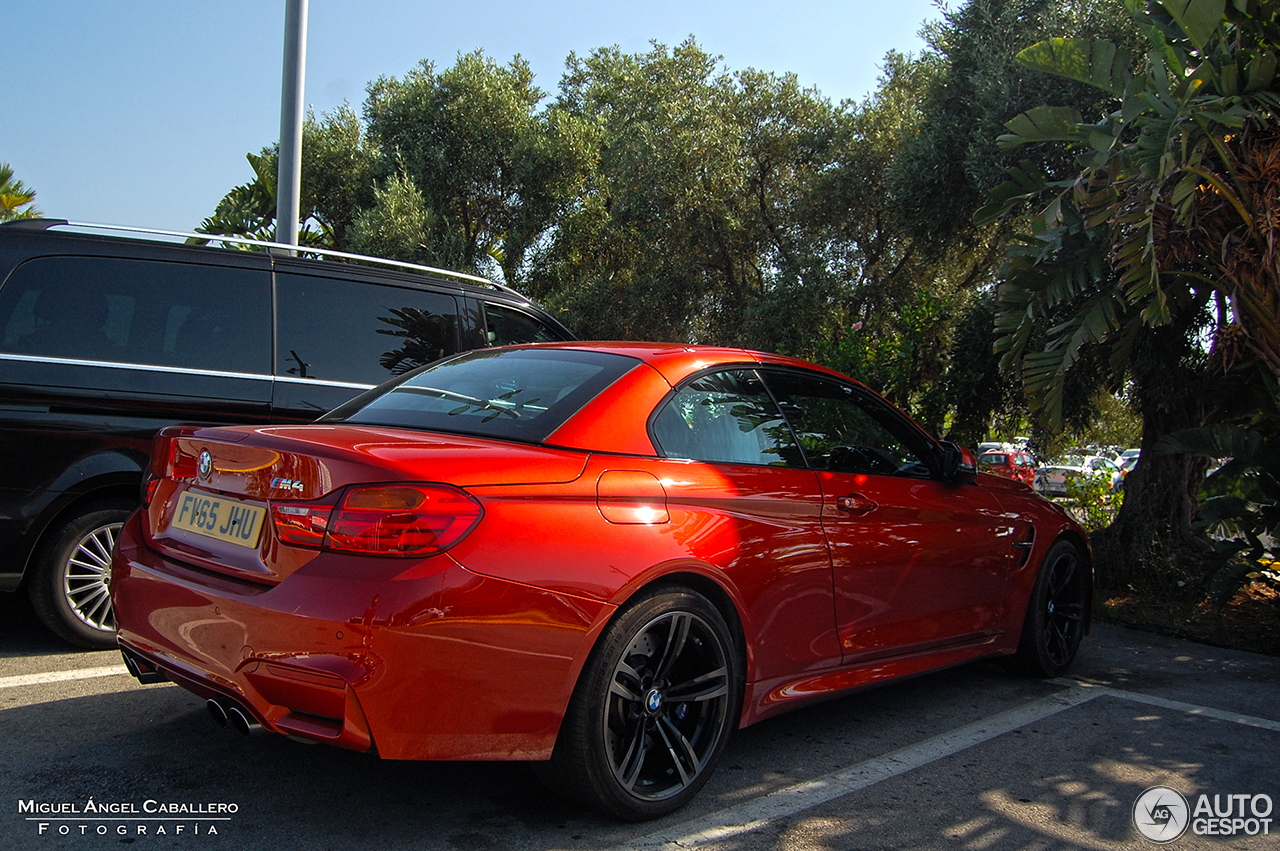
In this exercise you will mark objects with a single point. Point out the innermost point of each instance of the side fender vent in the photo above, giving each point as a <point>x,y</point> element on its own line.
<point>1026,545</point>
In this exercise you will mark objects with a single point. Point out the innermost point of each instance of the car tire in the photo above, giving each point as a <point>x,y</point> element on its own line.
<point>70,586</point>
<point>653,709</point>
<point>1057,613</point>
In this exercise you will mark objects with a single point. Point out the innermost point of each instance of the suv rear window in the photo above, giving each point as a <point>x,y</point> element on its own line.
<point>360,332</point>
<point>519,394</point>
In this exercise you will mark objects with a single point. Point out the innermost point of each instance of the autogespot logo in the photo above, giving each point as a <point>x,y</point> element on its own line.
<point>1161,814</point>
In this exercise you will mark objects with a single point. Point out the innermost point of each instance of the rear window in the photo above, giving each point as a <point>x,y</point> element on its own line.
<point>519,394</point>
<point>992,460</point>
<point>360,332</point>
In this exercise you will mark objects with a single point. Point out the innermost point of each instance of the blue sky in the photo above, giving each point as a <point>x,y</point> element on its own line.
<point>140,113</point>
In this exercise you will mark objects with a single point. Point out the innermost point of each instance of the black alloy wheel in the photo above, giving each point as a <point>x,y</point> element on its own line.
<point>653,709</point>
<point>1057,613</point>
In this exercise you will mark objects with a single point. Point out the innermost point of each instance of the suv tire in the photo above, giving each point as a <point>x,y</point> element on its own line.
<point>70,585</point>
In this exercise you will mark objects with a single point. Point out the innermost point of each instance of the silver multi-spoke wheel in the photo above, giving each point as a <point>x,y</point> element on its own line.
<point>86,578</point>
<point>653,708</point>
<point>666,707</point>
<point>70,586</point>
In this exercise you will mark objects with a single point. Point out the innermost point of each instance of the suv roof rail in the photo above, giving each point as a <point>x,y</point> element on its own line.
<point>33,224</point>
<point>271,247</point>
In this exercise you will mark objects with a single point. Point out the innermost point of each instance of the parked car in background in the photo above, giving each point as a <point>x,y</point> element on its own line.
<point>1011,465</point>
<point>104,340</point>
<point>603,557</point>
<point>1051,479</point>
<point>1128,460</point>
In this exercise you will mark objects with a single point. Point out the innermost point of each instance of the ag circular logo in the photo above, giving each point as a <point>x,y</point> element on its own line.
<point>1161,814</point>
<point>206,465</point>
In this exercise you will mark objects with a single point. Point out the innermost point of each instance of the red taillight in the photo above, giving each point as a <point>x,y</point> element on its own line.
<point>402,519</point>
<point>168,461</point>
<point>301,525</point>
<point>149,487</point>
<point>406,520</point>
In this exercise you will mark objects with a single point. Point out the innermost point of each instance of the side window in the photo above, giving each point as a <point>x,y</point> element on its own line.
<point>139,312</point>
<point>843,430</point>
<point>509,327</point>
<point>726,417</point>
<point>360,333</point>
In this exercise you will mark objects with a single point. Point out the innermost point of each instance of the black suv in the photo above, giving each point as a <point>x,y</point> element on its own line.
<point>106,339</point>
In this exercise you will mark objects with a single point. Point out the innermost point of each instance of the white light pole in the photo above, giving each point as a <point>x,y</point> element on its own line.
<point>289,170</point>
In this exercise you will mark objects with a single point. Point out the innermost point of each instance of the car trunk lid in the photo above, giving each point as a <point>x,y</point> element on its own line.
<point>220,498</point>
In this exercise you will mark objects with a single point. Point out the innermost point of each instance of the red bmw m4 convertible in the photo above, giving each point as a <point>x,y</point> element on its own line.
<point>605,557</point>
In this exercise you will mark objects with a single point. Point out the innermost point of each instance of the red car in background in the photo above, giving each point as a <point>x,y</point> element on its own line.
<point>1010,465</point>
<point>604,557</point>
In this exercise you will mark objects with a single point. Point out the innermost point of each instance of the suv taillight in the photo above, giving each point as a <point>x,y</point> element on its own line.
<point>403,520</point>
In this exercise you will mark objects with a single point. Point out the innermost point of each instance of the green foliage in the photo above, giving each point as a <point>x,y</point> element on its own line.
<point>1157,237</point>
<point>659,195</point>
<point>397,225</point>
<point>490,168</point>
<point>1240,511</point>
<point>1116,423</point>
<point>1091,501</point>
<point>1097,256</point>
<point>16,200</point>
<point>946,170</point>
<point>249,209</point>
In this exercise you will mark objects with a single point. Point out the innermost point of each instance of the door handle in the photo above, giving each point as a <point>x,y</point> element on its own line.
<point>856,503</point>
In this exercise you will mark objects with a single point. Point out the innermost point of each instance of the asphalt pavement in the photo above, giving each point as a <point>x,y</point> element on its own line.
<point>971,758</point>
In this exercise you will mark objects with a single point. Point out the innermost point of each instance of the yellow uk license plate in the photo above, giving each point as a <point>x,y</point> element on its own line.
<point>219,517</point>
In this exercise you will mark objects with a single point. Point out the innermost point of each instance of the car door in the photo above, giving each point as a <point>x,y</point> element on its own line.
<point>918,563</point>
<point>741,499</point>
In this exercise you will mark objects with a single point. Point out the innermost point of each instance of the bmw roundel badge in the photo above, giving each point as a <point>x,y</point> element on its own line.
<point>206,465</point>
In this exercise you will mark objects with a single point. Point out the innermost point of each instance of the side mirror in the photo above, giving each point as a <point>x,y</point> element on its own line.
<point>957,464</point>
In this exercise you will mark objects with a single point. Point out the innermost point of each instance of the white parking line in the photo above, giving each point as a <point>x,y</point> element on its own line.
<point>62,676</point>
<point>758,812</point>
<point>1189,708</point>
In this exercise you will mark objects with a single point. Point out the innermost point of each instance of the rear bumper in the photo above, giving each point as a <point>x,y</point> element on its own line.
<point>418,659</point>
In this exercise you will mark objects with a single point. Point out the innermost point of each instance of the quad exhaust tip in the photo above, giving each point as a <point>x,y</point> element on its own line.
<point>217,712</point>
<point>228,714</point>
<point>144,673</point>
<point>242,721</point>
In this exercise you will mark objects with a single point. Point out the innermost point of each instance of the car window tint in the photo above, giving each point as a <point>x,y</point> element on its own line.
<point>846,430</point>
<point>140,312</point>
<point>523,394</point>
<point>357,332</point>
<point>725,417</point>
<point>509,327</point>
<point>993,460</point>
